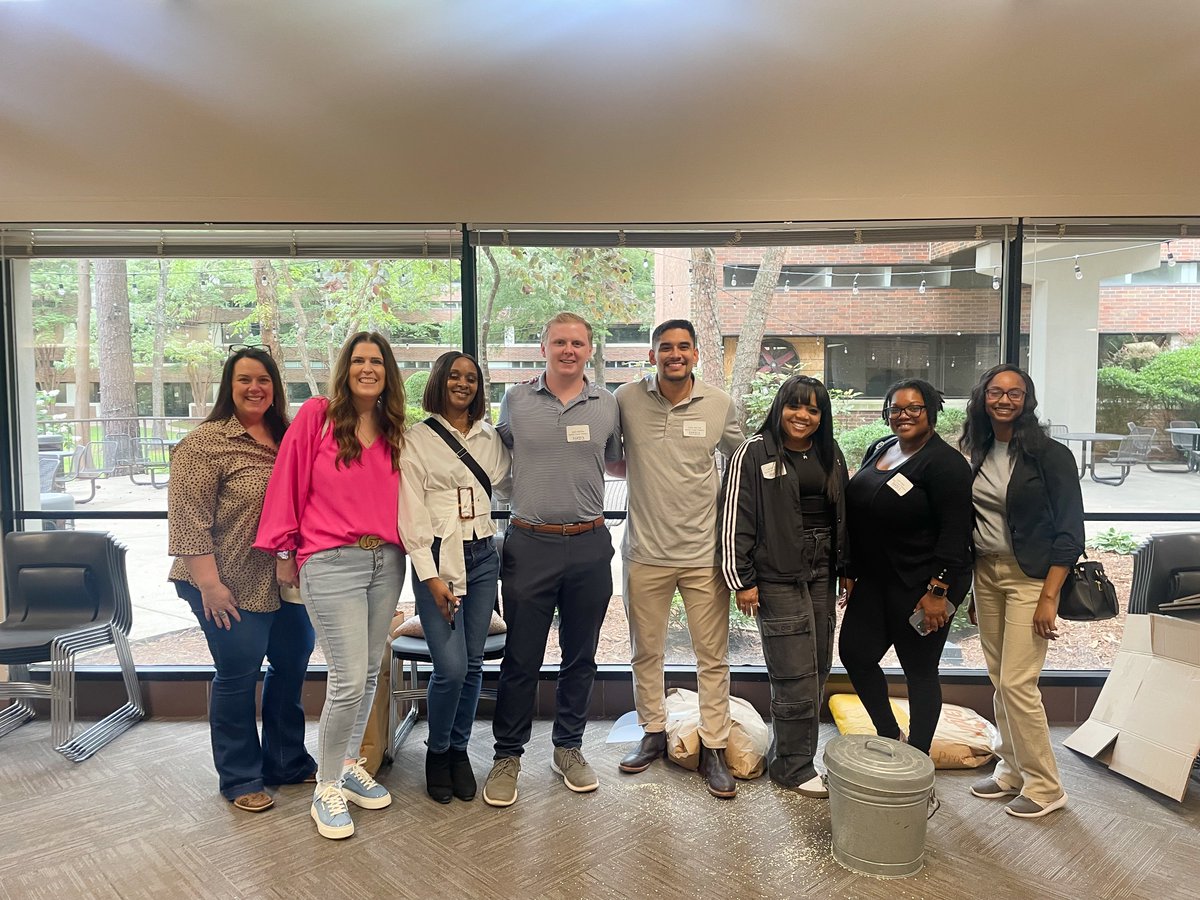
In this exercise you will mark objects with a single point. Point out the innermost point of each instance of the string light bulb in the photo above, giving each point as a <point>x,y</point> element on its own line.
<point>845,348</point>
<point>996,278</point>
<point>921,289</point>
<point>1170,256</point>
<point>62,291</point>
<point>645,263</point>
<point>263,280</point>
<point>733,280</point>
<point>854,287</point>
<point>1078,271</point>
<point>787,284</point>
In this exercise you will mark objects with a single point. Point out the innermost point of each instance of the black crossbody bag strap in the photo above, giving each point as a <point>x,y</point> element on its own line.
<point>462,453</point>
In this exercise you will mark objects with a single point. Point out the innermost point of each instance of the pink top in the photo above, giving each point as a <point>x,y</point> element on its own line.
<point>311,505</point>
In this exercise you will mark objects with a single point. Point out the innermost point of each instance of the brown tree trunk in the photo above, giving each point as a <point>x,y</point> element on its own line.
<point>705,316</point>
<point>83,350</point>
<point>157,402</point>
<point>118,394</point>
<point>301,331</point>
<point>754,326</point>
<point>598,363</point>
<point>485,328</point>
<point>265,279</point>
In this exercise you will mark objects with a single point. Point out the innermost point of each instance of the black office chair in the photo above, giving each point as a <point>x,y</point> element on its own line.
<point>1165,568</point>
<point>67,592</point>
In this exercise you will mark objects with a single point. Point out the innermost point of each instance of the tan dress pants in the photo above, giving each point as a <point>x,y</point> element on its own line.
<point>648,592</point>
<point>1005,601</point>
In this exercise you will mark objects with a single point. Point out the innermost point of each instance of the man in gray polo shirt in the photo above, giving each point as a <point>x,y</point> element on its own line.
<point>562,430</point>
<point>672,424</point>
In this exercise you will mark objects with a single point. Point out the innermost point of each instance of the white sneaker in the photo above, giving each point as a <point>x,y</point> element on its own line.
<point>815,787</point>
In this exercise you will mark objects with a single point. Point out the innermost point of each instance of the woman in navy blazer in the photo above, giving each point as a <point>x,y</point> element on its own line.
<point>909,514</point>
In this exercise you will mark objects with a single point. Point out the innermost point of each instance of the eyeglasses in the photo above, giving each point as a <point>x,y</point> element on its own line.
<point>1016,395</point>
<point>237,348</point>
<point>912,411</point>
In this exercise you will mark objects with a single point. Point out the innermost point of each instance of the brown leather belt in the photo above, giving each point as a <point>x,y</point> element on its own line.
<point>565,530</point>
<point>370,542</point>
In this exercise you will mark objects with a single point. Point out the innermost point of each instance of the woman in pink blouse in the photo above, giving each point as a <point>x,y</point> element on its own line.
<point>330,516</point>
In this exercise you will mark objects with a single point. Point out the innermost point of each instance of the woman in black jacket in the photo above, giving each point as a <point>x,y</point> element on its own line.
<point>909,510</point>
<point>1028,534</point>
<point>782,544</point>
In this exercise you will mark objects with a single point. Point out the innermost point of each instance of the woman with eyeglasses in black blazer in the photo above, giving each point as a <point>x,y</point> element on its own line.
<point>909,513</point>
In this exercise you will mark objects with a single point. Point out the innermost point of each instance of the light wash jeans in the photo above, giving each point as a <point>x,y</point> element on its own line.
<point>351,596</point>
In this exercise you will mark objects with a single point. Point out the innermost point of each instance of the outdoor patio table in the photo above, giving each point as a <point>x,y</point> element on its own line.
<point>1089,439</point>
<point>1193,460</point>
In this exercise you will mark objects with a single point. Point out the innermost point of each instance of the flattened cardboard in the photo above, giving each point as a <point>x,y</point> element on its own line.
<point>1146,723</point>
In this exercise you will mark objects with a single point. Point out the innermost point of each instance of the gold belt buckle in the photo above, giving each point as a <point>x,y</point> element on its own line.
<point>370,542</point>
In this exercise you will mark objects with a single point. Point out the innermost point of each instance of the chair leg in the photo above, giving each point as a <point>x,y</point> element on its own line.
<point>407,690</point>
<point>18,712</point>
<point>79,748</point>
<point>92,495</point>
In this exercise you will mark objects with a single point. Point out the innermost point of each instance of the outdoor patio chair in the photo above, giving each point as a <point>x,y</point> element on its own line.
<point>52,497</point>
<point>1057,431</point>
<point>93,460</point>
<point>151,456</point>
<point>1133,450</point>
<point>67,592</point>
<point>1180,450</point>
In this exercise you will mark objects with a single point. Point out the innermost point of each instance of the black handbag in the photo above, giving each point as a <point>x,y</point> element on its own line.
<point>1087,595</point>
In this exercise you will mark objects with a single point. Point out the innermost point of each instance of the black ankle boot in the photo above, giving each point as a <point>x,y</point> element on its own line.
<point>716,773</point>
<point>437,775</point>
<point>462,777</point>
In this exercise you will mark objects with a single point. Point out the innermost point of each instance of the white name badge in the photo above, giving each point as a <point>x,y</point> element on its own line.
<point>768,470</point>
<point>578,433</point>
<point>695,429</point>
<point>900,484</point>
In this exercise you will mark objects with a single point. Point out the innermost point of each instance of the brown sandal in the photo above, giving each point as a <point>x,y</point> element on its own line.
<point>259,801</point>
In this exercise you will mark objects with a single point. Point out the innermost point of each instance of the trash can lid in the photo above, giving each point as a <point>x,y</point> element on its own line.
<point>879,764</point>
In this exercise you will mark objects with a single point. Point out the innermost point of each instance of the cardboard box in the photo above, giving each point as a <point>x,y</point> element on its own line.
<point>1146,724</point>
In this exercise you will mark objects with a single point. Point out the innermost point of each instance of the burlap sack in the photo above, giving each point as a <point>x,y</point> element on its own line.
<point>746,753</point>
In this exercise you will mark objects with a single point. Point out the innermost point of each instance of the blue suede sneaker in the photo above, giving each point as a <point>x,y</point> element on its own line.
<point>362,790</point>
<point>330,813</point>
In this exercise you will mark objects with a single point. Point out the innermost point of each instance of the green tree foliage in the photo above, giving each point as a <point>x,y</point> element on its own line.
<point>1168,383</point>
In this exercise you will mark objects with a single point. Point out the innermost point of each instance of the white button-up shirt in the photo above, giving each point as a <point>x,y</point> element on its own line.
<point>430,477</point>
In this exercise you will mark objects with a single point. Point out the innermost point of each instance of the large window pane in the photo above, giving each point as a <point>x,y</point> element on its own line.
<point>120,358</point>
<point>859,316</point>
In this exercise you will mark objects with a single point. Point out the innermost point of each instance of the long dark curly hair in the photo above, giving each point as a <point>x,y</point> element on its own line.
<point>978,437</point>
<point>389,408</point>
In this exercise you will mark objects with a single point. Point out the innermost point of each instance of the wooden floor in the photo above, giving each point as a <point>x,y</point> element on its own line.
<point>143,819</point>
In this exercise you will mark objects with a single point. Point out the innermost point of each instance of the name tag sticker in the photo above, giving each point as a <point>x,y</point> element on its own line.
<point>768,470</point>
<point>578,433</point>
<point>900,484</point>
<point>695,429</point>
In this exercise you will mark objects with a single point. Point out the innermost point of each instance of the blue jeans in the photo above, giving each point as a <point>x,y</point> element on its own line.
<point>285,638</point>
<point>351,595</point>
<point>458,654</point>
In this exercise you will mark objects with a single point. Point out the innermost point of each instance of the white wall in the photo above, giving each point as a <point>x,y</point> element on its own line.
<point>595,110</point>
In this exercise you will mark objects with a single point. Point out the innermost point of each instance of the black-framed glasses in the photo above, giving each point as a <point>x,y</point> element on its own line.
<point>1016,395</point>
<point>234,348</point>
<point>912,411</point>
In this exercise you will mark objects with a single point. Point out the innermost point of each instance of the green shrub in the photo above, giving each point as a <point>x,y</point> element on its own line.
<point>854,443</point>
<point>1114,541</point>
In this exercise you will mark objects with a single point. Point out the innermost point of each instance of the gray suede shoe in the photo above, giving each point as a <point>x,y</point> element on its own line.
<point>1024,808</point>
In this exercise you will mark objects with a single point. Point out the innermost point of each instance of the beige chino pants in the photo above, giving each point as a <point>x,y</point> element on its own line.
<point>648,592</point>
<point>1005,601</point>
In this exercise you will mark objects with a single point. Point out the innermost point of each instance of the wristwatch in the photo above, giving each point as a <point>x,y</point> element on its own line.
<point>283,554</point>
<point>938,590</point>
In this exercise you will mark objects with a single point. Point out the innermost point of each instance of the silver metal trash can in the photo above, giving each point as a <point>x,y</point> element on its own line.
<point>878,804</point>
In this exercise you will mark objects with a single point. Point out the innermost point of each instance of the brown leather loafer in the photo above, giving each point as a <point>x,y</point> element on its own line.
<point>716,773</point>
<point>259,801</point>
<point>652,746</point>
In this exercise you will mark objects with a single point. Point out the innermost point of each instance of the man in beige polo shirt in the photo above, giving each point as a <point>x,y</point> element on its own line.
<point>672,424</point>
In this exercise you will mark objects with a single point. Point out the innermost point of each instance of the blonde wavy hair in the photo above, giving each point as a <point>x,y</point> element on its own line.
<point>389,408</point>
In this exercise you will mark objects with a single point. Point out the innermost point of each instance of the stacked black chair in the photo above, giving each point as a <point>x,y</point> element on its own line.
<point>67,593</point>
<point>1165,568</point>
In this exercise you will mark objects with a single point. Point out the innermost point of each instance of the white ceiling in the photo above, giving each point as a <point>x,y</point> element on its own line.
<point>596,110</point>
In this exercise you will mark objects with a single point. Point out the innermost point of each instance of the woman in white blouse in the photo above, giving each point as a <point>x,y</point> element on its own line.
<point>446,525</point>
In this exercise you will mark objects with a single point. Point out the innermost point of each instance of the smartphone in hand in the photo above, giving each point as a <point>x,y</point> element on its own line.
<point>917,621</point>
